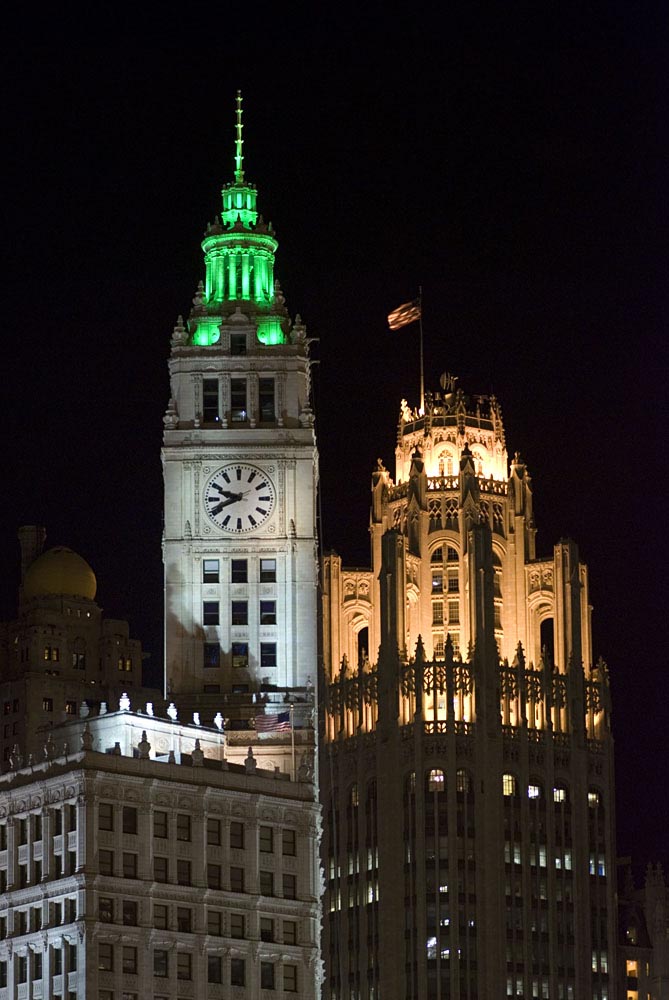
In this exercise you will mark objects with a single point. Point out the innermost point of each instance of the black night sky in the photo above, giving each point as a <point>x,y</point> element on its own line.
<point>512,162</point>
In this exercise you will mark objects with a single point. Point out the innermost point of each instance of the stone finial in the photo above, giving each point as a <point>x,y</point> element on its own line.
<point>84,710</point>
<point>103,708</point>
<point>87,738</point>
<point>179,334</point>
<point>172,711</point>
<point>196,719</point>
<point>305,771</point>
<point>124,702</point>
<point>49,748</point>
<point>197,756</point>
<point>218,721</point>
<point>117,749</point>
<point>143,747</point>
<point>250,763</point>
<point>149,708</point>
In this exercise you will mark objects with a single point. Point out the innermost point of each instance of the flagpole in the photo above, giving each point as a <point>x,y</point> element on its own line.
<point>292,738</point>
<point>420,324</point>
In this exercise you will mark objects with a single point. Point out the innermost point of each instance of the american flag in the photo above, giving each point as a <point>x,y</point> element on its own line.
<point>273,723</point>
<point>404,314</point>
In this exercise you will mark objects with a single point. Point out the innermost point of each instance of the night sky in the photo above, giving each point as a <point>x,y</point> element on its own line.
<point>512,163</point>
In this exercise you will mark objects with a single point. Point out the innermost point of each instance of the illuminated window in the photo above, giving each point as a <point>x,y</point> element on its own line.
<point>462,782</point>
<point>632,968</point>
<point>533,791</point>
<point>210,571</point>
<point>240,654</point>
<point>559,795</point>
<point>125,664</point>
<point>436,781</point>
<point>508,784</point>
<point>593,799</point>
<point>354,798</point>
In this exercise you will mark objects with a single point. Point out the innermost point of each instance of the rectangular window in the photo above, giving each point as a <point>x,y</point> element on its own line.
<point>210,410</point>
<point>437,582</point>
<point>183,872</point>
<point>289,887</point>
<point>268,570</point>
<point>210,571</point>
<point>266,400</point>
<point>210,613</point>
<point>453,582</point>
<point>240,654</point>
<point>129,960</point>
<point>106,862</point>
<point>23,831</point>
<point>290,978</point>
<point>266,839</point>
<point>160,870</point>
<point>238,344</point>
<point>212,656</point>
<point>129,819</point>
<point>47,704</point>
<point>214,876</point>
<point>70,708</point>
<point>214,832</point>
<point>129,865</point>
<point>267,654</point>
<point>268,612</point>
<point>240,615</point>
<point>184,920</point>
<point>212,688</point>
<point>266,880</point>
<point>237,879</point>
<point>105,957</point>
<point>267,975</point>
<point>214,969</point>
<point>237,925</point>
<point>266,929</point>
<point>130,913</point>
<point>160,824</point>
<point>37,966</point>
<point>237,972</point>
<point>160,963</point>
<point>215,923</point>
<point>238,408</point>
<point>57,961</point>
<point>184,963</point>
<point>437,612</point>
<point>237,835</point>
<point>288,843</point>
<point>289,932</point>
<point>79,661</point>
<point>160,916</point>
<point>125,664</point>
<point>454,612</point>
<point>239,571</point>
<point>183,826</point>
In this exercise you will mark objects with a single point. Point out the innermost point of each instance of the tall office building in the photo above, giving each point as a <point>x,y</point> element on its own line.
<point>467,766</point>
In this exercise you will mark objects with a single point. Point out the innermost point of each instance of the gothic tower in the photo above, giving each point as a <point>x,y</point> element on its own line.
<point>240,474</point>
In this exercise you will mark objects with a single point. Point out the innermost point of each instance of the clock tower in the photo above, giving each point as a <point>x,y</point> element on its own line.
<point>240,471</point>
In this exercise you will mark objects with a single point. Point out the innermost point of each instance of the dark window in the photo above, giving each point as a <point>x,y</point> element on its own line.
<point>106,909</point>
<point>267,654</point>
<point>214,969</point>
<point>183,826</point>
<point>160,963</point>
<point>105,957</point>
<point>212,655</point>
<point>210,613</point>
<point>129,819</point>
<point>160,824</point>
<point>240,615</point>
<point>160,916</point>
<point>266,839</point>
<point>238,400</point>
<point>184,963</point>
<point>214,876</point>
<point>23,831</point>
<point>238,343</point>
<point>71,707</point>
<point>184,919</point>
<point>236,879</point>
<point>106,816</point>
<point>210,571</point>
<point>268,570</point>
<point>266,929</point>
<point>129,865</point>
<point>47,704</point>
<point>130,913</point>
<point>214,832</point>
<point>129,960</point>
<point>106,862</point>
<point>210,412</point>
<point>237,972</point>
<point>237,835</point>
<point>288,843</point>
<point>289,932</point>
<point>239,571</point>
<point>237,925</point>
<point>160,870</point>
<point>37,966</point>
<point>289,887</point>
<point>183,872</point>
<point>267,975</point>
<point>266,399</point>
<point>290,978</point>
<point>268,612</point>
<point>266,883</point>
<point>215,923</point>
<point>240,654</point>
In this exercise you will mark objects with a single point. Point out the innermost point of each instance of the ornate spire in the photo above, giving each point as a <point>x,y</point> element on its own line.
<point>239,142</point>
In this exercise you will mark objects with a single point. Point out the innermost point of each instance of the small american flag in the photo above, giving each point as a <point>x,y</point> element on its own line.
<point>404,314</point>
<point>273,723</point>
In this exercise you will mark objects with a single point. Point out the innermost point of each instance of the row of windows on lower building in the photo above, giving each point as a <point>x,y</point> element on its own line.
<point>218,921</point>
<point>165,964</point>
<point>262,569</point>
<point>181,827</point>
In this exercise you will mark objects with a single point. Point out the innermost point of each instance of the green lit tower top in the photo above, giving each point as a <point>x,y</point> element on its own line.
<point>239,250</point>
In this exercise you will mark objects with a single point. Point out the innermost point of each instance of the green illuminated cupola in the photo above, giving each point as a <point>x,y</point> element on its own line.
<point>239,254</point>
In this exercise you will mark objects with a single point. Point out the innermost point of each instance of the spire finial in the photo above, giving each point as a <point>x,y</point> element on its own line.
<point>239,142</point>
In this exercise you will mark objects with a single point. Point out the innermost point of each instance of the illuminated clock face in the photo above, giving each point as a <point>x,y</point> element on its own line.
<point>239,498</point>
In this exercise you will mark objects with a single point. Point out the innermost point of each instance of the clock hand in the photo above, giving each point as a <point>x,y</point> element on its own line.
<point>225,503</point>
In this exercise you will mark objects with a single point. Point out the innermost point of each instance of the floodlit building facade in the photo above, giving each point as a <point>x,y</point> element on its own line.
<point>467,764</point>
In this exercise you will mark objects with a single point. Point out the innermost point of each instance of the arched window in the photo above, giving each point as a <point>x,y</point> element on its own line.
<point>436,781</point>
<point>463,782</point>
<point>559,795</point>
<point>508,784</point>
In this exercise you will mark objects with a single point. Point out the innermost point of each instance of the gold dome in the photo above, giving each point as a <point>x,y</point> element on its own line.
<point>60,571</point>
